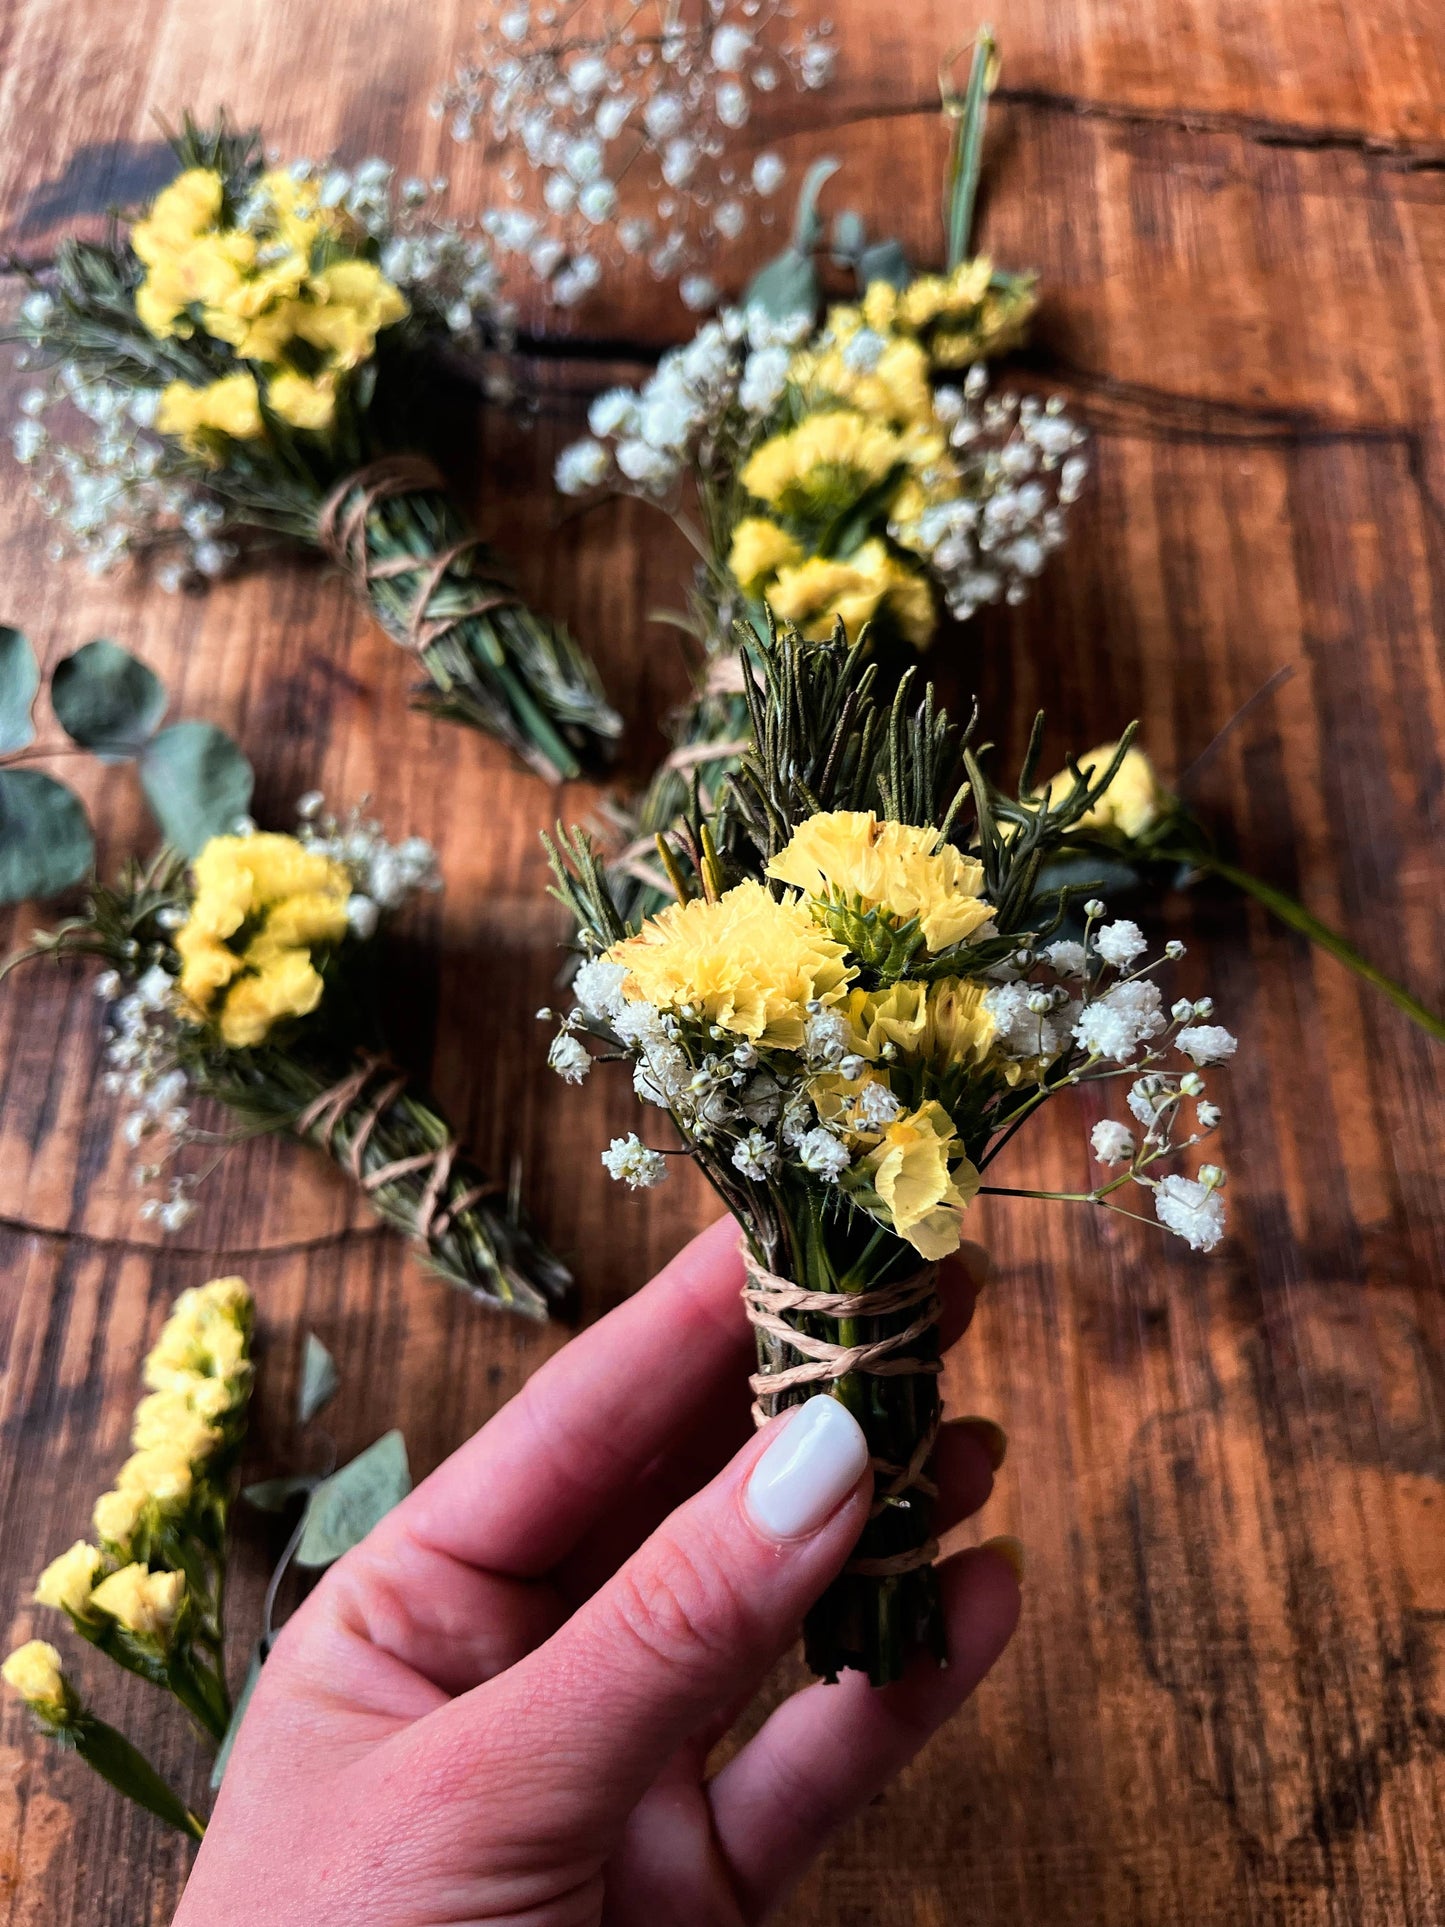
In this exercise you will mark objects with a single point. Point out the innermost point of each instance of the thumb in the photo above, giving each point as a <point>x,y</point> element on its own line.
<point>696,1615</point>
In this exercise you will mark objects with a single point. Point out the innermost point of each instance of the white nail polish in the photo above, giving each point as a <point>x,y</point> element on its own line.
<point>808,1470</point>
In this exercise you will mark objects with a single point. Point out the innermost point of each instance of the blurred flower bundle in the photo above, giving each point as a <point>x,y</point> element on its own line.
<point>150,1592</point>
<point>615,121</point>
<point>837,471</point>
<point>252,975</point>
<point>856,1000</point>
<point>259,350</point>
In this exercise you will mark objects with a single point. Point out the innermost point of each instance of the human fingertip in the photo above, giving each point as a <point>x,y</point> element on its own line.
<point>1010,1550</point>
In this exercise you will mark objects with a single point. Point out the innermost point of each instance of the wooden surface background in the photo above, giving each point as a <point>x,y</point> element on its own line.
<point>1226,1702</point>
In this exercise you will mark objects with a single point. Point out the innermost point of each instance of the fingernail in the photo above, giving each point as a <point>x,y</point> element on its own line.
<point>991,1436</point>
<point>808,1470</point>
<point>1010,1550</point>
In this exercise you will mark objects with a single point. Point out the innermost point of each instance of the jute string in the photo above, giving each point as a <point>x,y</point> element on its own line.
<point>341,525</point>
<point>380,1084</point>
<point>767,1297</point>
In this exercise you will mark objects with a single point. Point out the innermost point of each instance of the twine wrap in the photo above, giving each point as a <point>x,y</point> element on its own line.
<point>341,530</point>
<point>768,1297</point>
<point>374,1084</point>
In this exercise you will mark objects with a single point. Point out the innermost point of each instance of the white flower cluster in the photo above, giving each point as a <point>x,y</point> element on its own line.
<point>140,1053</point>
<point>616,118</point>
<point>384,874</point>
<point>1023,471</point>
<point>110,491</point>
<point>705,399</point>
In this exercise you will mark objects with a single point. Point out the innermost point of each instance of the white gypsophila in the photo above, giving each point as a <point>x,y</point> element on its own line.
<point>1208,1115</point>
<point>385,874</point>
<point>629,1162</point>
<point>1207,1043</point>
<point>663,1076</point>
<point>1117,1023</point>
<point>764,377</point>
<point>1119,943</point>
<point>990,544</point>
<point>597,987</point>
<point>825,1038</point>
<point>1020,1029</point>
<point>363,915</point>
<point>755,1156</point>
<point>580,466</point>
<point>875,1106</point>
<point>1113,1142</point>
<point>569,1058</point>
<point>639,1024</point>
<point>822,1154</point>
<point>614,412</point>
<point>615,121</point>
<point>1193,1211</point>
<point>1066,957</point>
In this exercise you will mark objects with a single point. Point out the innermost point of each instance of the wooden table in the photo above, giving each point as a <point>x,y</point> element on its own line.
<point>1226,1702</point>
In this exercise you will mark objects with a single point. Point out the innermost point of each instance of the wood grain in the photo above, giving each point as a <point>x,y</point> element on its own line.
<point>1226,1703</point>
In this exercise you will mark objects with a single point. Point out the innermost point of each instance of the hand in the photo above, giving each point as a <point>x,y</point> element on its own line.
<point>499,1706</point>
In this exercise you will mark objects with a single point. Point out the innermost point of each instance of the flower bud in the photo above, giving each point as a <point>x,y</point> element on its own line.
<point>118,1518</point>
<point>147,1605</point>
<point>67,1582</point>
<point>33,1671</point>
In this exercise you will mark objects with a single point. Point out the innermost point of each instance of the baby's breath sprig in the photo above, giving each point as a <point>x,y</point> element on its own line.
<point>837,471</point>
<point>256,351</point>
<point>858,999</point>
<point>616,121</point>
<point>251,976</point>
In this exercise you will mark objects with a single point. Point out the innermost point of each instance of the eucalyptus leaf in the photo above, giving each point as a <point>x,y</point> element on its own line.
<point>319,1379</point>
<point>345,1507</point>
<point>884,261</point>
<point>787,285</point>
<point>197,783</point>
<point>243,1700</point>
<point>274,1495</point>
<point>807,223</point>
<point>19,680</point>
<point>107,700</point>
<point>45,839</point>
<point>850,237</point>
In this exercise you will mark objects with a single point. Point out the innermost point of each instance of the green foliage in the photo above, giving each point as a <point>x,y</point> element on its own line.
<point>19,684</point>
<point>107,700</point>
<point>319,1380</point>
<point>45,839</point>
<point>345,1507</point>
<point>197,783</point>
<point>788,285</point>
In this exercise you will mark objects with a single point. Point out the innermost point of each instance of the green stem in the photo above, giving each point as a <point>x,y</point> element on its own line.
<point>965,159</point>
<point>1295,917</point>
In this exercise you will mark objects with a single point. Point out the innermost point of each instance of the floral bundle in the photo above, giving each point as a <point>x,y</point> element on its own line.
<point>838,471</point>
<point>150,1593</point>
<point>254,352</point>
<point>854,1004</point>
<point>250,975</point>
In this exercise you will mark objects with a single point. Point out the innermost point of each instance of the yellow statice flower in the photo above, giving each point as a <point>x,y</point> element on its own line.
<point>167,1419</point>
<point>67,1582</point>
<point>1133,803</point>
<point>816,594</point>
<point>160,1472</point>
<point>118,1517</point>
<point>854,857</point>
<point>962,317</point>
<point>889,384</point>
<point>230,406</point>
<point>285,902</point>
<point>830,457</point>
<point>33,1671</point>
<point>147,1604</point>
<point>941,1025</point>
<point>305,401</point>
<point>922,1183</point>
<point>747,962</point>
<point>759,549</point>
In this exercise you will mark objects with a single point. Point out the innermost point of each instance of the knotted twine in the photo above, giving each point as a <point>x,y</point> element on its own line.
<point>341,528</point>
<point>322,1118</point>
<point>767,1297</point>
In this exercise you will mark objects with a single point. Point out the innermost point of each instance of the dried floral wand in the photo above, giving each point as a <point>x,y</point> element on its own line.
<point>849,1012</point>
<point>254,354</point>
<point>837,471</point>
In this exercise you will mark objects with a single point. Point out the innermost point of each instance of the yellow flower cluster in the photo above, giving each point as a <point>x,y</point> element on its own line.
<point>747,963</point>
<point>960,317</point>
<point>199,1375</point>
<point>33,1671</point>
<point>850,857</point>
<point>264,908</point>
<point>922,1181</point>
<point>287,292</point>
<point>1133,803</point>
